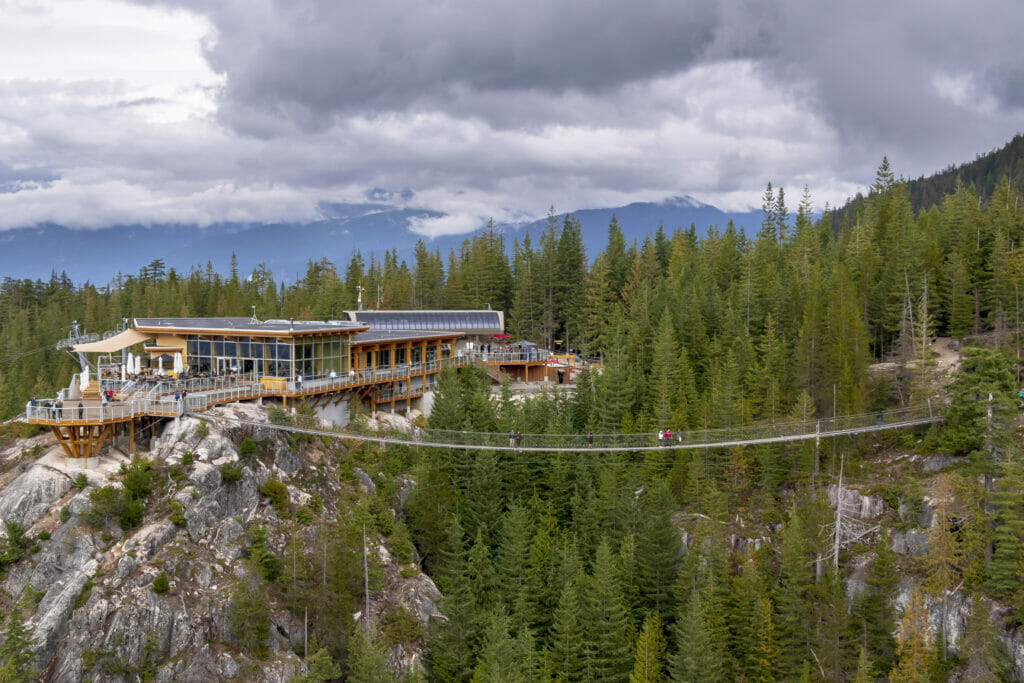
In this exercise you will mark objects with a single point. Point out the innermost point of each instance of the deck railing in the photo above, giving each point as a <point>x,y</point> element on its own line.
<point>155,396</point>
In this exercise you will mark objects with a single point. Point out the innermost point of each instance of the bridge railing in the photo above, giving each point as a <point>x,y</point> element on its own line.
<point>782,431</point>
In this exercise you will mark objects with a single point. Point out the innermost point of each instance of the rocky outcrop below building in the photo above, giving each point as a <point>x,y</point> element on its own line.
<point>87,591</point>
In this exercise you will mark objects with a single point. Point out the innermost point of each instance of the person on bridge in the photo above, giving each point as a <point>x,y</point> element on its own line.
<point>511,438</point>
<point>81,410</point>
<point>590,439</point>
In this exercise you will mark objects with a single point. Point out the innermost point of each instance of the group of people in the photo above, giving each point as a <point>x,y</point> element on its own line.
<point>515,438</point>
<point>54,408</point>
<point>665,437</point>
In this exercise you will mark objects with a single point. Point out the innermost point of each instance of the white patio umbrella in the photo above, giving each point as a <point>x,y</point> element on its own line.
<point>85,379</point>
<point>138,364</point>
<point>124,372</point>
<point>160,365</point>
<point>178,365</point>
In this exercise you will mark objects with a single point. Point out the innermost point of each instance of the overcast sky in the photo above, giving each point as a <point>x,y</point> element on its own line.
<point>262,110</point>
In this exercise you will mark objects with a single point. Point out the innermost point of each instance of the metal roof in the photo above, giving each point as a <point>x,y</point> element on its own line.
<point>467,322</point>
<point>246,325</point>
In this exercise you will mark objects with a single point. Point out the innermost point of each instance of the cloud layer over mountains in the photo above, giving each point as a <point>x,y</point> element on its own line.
<point>188,111</point>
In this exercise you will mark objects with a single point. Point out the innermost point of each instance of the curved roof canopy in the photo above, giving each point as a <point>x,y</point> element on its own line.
<point>119,341</point>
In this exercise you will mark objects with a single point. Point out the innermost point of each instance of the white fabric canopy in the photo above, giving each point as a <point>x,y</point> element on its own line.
<point>119,341</point>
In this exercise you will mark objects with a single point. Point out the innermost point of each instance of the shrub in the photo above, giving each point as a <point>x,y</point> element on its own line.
<point>248,448</point>
<point>187,459</point>
<point>401,544</point>
<point>113,504</point>
<point>83,595</point>
<point>44,535</point>
<point>65,514</point>
<point>15,544</point>
<point>277,492</point>
<point>249,618</point>
<point>81,482</point>
<point>138,478</point>
<point>268,564</point>
<point>203,430</point>
<point>400,626</point>
<point>177,513</point>
<point>161,584</point>
<point>279,417</point>
<point>230,472</point>
<point>304,515</point>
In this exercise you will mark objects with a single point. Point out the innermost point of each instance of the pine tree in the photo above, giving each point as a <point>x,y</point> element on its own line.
<point>657,549</point>
<point>607,619</point>
<point>16,655</point>
<point>796,581</point>
<point>1007,557</point>
<point>648,662</point>
<point>982,648</point>
<point>865,669</point>
<point>367,661</point>
<point>876,610</point>
<point>696,656</point>
<point>915,649</point>
<point>567,649</point>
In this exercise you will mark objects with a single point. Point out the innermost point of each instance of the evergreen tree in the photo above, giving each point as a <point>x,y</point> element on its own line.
<point>657,549</point>
<point>696,656</point>
<point>17,660</point>
<point>367,660</point>
<point>982,648</point>
<point>648,662</point>
<point>915,649</point>
<point>567,650</point>
<point>876,610</point>
<point>607,620</point>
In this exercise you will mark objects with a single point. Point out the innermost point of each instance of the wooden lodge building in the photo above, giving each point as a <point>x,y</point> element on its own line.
<point>192,364</point>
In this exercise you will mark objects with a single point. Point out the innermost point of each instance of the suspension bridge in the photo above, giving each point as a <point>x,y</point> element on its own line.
<point>749,435</point>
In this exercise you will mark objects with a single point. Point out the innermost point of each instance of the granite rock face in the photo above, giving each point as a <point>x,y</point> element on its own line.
<point>96,615</point>
<point>856,504</point>
<point>32,494</point>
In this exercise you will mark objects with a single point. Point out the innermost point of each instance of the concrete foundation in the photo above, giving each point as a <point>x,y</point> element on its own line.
<point>81,463</point>
<point>334,414</point>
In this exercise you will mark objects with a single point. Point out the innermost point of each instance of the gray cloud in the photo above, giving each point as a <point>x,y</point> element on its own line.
<point>502,109</point>
<point>868,68</point>
<point>20,179</point>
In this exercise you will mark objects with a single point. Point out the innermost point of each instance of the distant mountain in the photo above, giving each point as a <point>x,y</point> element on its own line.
<point>643,218</point>
<point>285,248</point>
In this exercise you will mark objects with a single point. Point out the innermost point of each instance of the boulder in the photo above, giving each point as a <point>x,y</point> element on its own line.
<point>365,481</point>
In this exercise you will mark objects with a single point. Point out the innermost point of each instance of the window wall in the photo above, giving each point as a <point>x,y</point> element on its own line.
<point>269,357</point>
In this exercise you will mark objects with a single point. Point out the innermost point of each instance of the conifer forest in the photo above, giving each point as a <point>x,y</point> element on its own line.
<point>684,565</point>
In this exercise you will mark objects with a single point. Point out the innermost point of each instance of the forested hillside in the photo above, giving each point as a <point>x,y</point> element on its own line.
<point>984,173</point>
<point>572,567</point>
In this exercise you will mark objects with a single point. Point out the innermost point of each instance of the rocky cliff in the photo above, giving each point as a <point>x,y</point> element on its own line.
<point>87,586</point>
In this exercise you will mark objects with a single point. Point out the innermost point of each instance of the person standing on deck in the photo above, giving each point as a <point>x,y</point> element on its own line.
<point>81,410</point>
